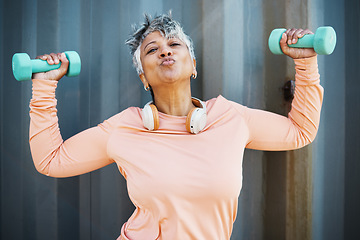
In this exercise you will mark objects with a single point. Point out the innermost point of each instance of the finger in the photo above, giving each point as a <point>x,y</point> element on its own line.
<point>290,35</point>
<point>308,31</point>
<point>48,58</point>
<point>55,58</point>
<point>296,35</point>
<point>42,57</point>
<point>305,32</point>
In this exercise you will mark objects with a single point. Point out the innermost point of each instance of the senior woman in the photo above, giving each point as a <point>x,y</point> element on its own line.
<point>181,157</point>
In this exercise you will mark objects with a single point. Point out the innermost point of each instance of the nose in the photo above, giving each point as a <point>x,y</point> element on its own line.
<point>166,52</point>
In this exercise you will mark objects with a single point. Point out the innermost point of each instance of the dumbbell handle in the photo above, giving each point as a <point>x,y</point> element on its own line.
<point>39,65</point>
<point>307,41</point>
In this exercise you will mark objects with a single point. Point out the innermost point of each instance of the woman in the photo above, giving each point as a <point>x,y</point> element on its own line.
<point>181,157</point>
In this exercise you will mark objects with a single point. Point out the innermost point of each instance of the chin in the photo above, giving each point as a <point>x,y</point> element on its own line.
<point>170,77</point>
<point>173,76</point>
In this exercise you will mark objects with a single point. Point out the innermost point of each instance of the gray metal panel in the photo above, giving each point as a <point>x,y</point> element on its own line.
<point>334,113</point>
<point>319,167</point>
<point>329,151</point>
<point>213,54</point>
<point>244,56</point>
<point>275,162</point>
<point>352,127</point>
<point>11,124</point>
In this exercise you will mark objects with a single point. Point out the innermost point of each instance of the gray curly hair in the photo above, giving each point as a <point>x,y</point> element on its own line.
<point>165,24</point>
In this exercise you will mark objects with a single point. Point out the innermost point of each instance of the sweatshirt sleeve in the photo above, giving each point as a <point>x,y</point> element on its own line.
<point>269,131</point>
<point>80,154</point>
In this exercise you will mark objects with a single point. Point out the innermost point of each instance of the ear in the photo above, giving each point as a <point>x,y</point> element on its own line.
<point>194,65</point>
<point>143,79</point>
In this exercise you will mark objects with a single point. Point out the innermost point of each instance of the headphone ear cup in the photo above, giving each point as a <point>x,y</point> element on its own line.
<point>150,117</point>
<point>196,120</point>
<point>188,120</point>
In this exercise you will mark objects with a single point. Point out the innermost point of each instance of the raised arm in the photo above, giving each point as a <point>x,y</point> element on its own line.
<point>269,131</point>
<point>81,153</point>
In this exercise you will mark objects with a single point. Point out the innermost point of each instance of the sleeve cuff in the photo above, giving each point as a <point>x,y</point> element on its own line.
<point>307,72</point>
<point>43,88</point>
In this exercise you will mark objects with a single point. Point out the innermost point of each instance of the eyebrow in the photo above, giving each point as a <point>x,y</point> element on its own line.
<point>149,44</point>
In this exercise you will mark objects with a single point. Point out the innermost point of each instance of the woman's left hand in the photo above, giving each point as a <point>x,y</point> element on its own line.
<point>291,36</point>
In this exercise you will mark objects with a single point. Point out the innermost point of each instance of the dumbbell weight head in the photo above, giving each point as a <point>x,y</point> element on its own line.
<point>324,40</point>
<point>274,40</point>
<point>24,67</point>
<point>75,63</point>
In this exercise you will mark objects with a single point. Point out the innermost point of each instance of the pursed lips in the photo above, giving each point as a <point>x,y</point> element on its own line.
<point>168,61</point>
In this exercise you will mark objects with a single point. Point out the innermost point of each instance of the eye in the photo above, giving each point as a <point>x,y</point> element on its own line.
<point>174,44</point>
<point>151,50</point>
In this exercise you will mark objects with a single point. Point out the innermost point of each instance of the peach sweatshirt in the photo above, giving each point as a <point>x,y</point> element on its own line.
<point>183,186</point>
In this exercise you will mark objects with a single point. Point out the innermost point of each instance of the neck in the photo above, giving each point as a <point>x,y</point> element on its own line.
<point>174,101</point>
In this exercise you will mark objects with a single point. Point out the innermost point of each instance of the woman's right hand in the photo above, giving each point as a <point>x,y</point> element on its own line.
<point>53,58</point>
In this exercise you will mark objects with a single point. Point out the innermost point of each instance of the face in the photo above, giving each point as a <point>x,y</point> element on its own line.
<point>165,61</point>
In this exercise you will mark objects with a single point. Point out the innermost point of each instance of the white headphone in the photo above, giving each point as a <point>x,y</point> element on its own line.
<point>195,120</point>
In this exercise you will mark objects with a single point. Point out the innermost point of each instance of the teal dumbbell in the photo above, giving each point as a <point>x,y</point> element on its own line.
<point>323,41</point>
<point>23,67</point>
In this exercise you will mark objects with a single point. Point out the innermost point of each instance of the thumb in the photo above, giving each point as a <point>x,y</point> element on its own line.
<point>283,44</point>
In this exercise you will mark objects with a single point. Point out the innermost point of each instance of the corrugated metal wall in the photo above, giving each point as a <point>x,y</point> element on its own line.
<point>312,193</point>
